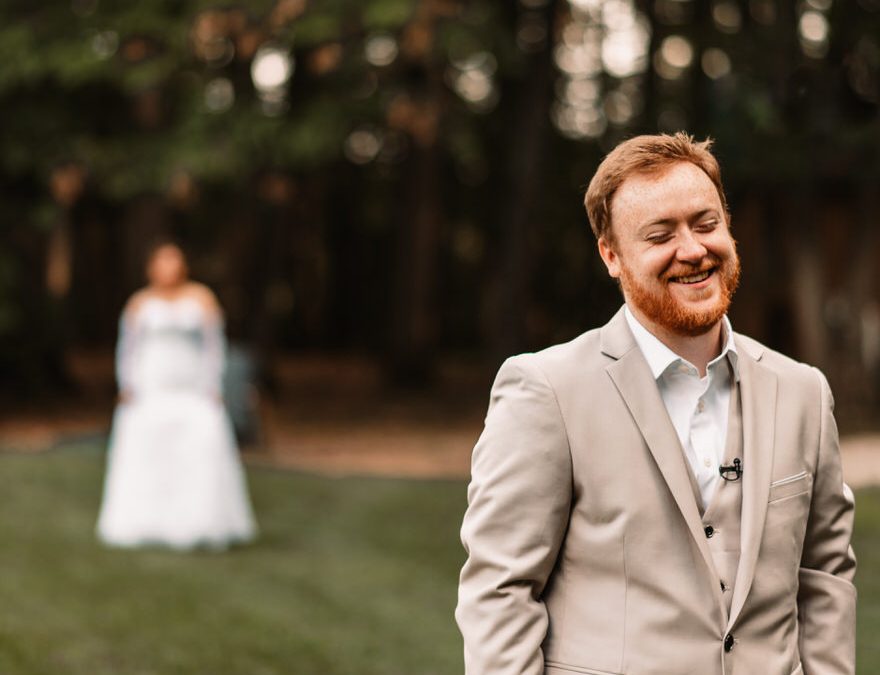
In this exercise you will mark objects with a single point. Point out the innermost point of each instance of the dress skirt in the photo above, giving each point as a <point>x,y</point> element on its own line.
<point>174,477</point>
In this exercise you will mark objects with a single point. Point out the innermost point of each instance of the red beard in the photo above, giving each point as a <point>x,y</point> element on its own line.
<point>664,310</point>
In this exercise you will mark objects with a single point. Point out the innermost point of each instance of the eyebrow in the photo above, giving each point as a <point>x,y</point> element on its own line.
<point>669,221</point>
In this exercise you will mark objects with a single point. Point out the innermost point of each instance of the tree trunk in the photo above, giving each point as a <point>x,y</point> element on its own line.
<point>510,298</point>
<point>807,278</point>
<point>413,340</point>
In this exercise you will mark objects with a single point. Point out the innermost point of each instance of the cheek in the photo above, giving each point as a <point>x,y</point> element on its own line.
<point>655,263</point>
<point>722,245</point>
<point>650,263</point>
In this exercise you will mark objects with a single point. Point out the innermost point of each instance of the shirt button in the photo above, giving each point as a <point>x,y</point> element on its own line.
<point>709,530</point>
<point>707,463</point>
<point>728,642</point>
<point>701,406</point>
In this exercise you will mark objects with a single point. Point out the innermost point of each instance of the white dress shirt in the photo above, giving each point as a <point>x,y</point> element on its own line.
<point>698,406</point>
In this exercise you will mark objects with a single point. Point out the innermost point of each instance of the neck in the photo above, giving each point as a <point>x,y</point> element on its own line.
<point>168,290</point>
<point>696,349</point>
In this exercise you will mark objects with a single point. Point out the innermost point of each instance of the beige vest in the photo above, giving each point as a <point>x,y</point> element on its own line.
<point>721,519</point>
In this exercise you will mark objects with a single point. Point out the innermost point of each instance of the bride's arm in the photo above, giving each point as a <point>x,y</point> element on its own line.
<point>126,348</point>
<point>214,356</point>
<point>213,341</point>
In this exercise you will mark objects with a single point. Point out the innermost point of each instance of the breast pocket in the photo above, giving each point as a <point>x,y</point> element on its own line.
<point>552,668</point>
<point>788,509</point>
<point>788,506</point>
<point>790,486</point>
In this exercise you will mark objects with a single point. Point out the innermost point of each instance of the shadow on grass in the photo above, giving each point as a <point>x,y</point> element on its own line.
<point>351,575</point>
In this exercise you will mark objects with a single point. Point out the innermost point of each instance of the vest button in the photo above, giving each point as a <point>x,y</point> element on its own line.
<point>723,587</point>
<point>728,642</point>
<point>709,530</point>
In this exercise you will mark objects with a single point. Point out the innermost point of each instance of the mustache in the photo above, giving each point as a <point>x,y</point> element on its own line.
<point>708,266</point>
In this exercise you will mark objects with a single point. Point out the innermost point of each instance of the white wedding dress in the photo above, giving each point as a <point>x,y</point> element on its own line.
<point>173,473</point>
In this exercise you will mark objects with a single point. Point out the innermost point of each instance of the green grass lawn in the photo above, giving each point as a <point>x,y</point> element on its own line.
<point>351,575</point>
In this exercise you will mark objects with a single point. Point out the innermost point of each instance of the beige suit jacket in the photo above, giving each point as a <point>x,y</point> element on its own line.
<point>586,550</point>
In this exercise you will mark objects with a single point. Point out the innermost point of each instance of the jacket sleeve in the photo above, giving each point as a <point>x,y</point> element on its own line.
<point>518,512</point>
<point>826,595</point>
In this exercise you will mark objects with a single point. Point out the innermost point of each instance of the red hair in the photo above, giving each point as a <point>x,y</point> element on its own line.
<point>645,154</point>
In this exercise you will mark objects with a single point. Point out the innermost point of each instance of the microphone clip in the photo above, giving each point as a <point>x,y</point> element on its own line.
<point>731,472</point>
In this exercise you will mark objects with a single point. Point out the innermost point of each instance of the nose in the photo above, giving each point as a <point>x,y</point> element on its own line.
<point>690,248</point>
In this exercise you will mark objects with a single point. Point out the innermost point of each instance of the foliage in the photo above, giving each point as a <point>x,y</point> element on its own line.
<point>108,102</point>
<point>121,87</point>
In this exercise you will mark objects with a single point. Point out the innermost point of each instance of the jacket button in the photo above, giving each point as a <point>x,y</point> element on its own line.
<point>728,642</point>
<point>709,530</point>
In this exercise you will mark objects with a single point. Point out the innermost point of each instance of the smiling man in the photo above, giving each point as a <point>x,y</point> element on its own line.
<point>662,495</point>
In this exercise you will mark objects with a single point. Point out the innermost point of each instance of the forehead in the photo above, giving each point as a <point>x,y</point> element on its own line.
<point>674,192</point>
<point>167,251</point>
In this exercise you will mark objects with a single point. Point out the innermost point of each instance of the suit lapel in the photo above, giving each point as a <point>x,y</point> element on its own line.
<point>633,379</point>
<point>758,392</point>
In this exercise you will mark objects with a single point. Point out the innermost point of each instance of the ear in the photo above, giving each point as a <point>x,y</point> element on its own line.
<point>609,257</point>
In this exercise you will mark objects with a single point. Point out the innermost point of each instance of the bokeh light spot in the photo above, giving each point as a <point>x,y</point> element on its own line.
<point>471,78</point>
<point>727,17</point>
<point>105,43</point>
<point>381,49</point>
<point>619,107</point>
<point>813,29</point>
<point>219,95</point>
<point>677,51</point>
<point>271,68</point>
<point>362,146</point>
<point>715,63</point>
<point>674,57</point>
<point>624,52</point>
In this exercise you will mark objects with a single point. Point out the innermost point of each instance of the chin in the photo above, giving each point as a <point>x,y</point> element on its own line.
<point>694,320</point>
<point>700,308</point>
<point>694,328</point>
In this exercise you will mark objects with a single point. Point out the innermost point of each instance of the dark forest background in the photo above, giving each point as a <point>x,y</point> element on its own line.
<point>402,179</point>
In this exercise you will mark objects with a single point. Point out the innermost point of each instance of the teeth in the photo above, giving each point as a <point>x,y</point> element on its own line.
<point>694,278</point>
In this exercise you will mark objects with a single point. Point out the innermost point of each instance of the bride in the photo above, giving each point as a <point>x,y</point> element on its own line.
<point>173,473</point>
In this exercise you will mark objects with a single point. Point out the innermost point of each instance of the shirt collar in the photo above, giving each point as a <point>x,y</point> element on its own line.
<point>660,357</point>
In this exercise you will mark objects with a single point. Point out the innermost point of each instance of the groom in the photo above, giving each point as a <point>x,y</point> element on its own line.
<point>662,495</point>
